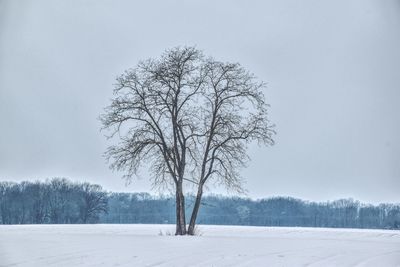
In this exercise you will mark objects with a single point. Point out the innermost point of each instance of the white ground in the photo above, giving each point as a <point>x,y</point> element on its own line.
<point>142,245</point>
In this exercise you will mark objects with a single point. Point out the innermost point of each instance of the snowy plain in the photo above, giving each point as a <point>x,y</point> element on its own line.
<point>153,245</point>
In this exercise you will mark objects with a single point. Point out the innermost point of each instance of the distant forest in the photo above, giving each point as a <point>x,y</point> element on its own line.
<point>62,201</point>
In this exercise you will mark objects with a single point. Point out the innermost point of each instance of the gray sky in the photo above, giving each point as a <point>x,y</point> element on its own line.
<point>332,67</point>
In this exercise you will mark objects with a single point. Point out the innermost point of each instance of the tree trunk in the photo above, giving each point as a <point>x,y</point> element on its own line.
<point>195,211</point>
<point>180,212</point>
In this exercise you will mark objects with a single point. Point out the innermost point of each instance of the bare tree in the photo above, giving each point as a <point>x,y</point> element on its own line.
<point>60,190</point>
<point>94,202</point>
<point>153,116</point>
<point>190,118</point>
<point>234,114</point>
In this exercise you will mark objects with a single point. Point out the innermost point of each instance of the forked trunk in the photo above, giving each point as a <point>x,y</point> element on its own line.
<point>192,225</point>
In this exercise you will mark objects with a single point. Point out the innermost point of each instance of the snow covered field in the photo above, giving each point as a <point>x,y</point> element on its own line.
<point>143,245</point>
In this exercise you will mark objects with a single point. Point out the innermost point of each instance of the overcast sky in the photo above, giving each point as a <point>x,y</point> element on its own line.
<point>332,68</point>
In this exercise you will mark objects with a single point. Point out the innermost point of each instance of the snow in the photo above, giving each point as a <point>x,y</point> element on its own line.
<point>152,245</point>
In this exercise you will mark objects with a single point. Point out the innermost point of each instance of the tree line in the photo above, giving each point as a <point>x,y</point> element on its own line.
<point>276,211</point>
<point>54,201</point>
<point>61,201</point>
